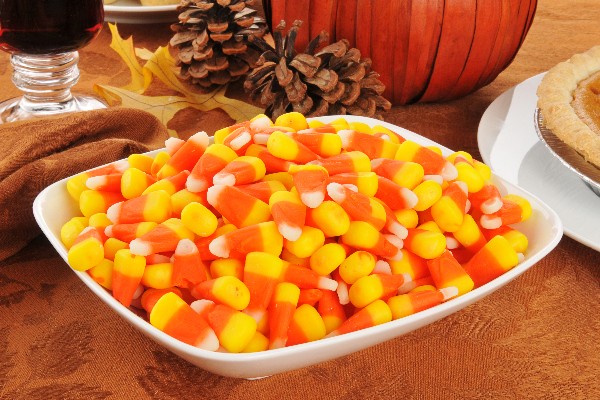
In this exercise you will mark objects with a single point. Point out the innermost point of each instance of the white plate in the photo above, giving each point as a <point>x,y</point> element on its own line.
<point>133,12</point>
<point>53,207</point>
<point>510,145</point>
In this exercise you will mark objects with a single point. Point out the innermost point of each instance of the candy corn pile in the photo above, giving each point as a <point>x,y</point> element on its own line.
<point>281,233</point>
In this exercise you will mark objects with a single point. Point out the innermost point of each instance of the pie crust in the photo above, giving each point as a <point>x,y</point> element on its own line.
<point>569,101</point>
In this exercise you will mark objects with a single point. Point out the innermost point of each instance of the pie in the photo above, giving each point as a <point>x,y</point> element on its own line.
<point>569,101</point>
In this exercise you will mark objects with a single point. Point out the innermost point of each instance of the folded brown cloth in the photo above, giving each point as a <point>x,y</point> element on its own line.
<point>37,153</point>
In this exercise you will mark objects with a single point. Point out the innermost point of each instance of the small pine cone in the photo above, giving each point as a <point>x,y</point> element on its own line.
<point>211,40</point>
<point>334,80</point>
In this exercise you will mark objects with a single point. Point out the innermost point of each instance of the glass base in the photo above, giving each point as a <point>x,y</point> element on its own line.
<point>19,109</point>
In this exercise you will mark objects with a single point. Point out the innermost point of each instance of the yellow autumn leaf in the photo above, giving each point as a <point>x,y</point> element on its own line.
<point>124,48</point>
<point>236,109</point>
<point>163,107</point>
<point>160,64</point>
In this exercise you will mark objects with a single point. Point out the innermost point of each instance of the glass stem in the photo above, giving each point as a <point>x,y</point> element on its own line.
<point>45,80</point>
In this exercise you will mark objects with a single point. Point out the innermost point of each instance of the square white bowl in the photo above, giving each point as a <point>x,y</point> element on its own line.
<point>53,207</point>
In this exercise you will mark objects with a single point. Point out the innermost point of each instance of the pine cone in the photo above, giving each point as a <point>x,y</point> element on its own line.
<point>211,40</point>
<point>334,80</point>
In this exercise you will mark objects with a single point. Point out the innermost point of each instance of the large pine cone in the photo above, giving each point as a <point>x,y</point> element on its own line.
<point>211,40</point>
<point>334,80</point>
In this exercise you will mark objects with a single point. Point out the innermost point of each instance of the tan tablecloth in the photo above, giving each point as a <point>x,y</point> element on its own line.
<point>539,337</point>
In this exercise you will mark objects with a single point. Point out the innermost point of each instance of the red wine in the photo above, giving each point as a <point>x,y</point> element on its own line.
<point>48,26</point>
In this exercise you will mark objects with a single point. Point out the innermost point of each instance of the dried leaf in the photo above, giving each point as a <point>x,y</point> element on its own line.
<point>162,107</point>
<point>161,65</point>
<point>124,48</point>
<point>236,109</point>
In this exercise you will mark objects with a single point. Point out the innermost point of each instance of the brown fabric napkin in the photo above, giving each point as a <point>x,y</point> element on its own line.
<point>36,153</point>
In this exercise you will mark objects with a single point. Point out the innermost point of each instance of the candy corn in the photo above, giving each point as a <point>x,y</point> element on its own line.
<point>151,207</point>
<point>289,213</point>
<point>227,290</point>
<point>281,311</point>
<point>259,237</point>
<point>87,249</point>
<point>188,268</point>
<point>127,275</point>
<point>491,261</point>
<point>161,238</point>
<point>373,287</point>
<point>185,157</point>
<point>238,207</point>
<point>282,233</point>
<point>306,326</point>
<point>373,146</point>
<point>262,272</point>
<point>287,148</point>
<point>375,313</point>
<point>175,317</point>
<point>310,182</point>
<point>242,170</point>
<point>213,160</point>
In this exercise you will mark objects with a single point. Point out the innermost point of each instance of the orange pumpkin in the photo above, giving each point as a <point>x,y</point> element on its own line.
<point>424,50</point>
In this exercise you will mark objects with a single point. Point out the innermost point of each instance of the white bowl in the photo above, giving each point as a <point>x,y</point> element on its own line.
<point>53,207</point>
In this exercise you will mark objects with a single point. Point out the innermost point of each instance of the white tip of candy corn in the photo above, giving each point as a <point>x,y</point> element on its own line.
<point>451,243</point>
<point>121,165</point>
<point>449,171</point>
<point>213,194</point>
<point>435,178</point>
<point>343,295</point>
<point>407,287</point>
<point>410,198</point>
<point>209,342</point>
<point>138,291</point>
<point>218,247</point>
<point>261,138</point>
<point>382,267</point>
<point>240,141</point>
<point>108,231</point>
<point>113,212</point>
<point>277,344</point>
<point>202,305</point>
<point>467,206</point>
<point>291,233</point>
<point>200,138</point>
<point>224,178</point>
<point>140,247</point>
<point>491,205</point>
<point>463,186</point>
<point>327,284</point>
<point>257,314</point>
<point>345,135</point>
<point>376,162</point>
<point>196,185</point>
<point>186,246</point>
<point>312,199</point>
<point>398,243</point>
<point>407,277</point>
<point>336,191</point>
<point>173,144</point>
<point>490,222</point>
<point>260,123</point>
<point>95,182</point>
<point>449,292</point>
<point>398,229</point>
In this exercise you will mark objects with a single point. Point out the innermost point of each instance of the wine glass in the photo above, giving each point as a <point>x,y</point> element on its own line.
<point>42,38</point>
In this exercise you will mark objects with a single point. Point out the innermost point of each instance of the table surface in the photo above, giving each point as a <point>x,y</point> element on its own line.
<point>538,337</point>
